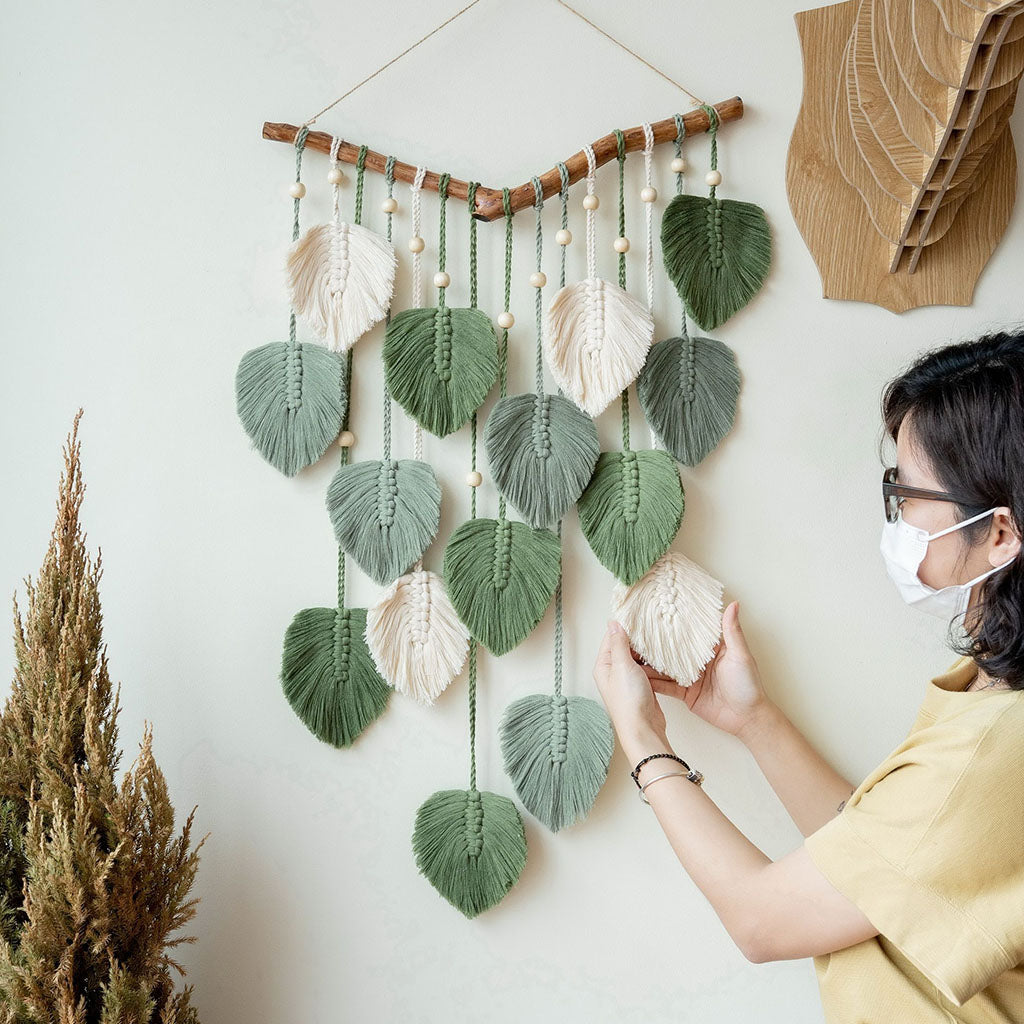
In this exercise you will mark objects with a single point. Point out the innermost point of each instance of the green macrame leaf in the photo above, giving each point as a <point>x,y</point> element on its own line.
<point>385,513</point>
<point>557,750</point>
<point>328,675</point>
<point>471,847</point>
<point>440,363</point>
<point>688,391</point>
<point>291,402</point>
<point>501,576</point>
<point>631,510</point>
<point>717,253</point>
<point>542,451</point>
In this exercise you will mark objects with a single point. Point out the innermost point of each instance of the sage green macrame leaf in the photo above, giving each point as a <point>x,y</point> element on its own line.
<point>631,510</point>
<point>471,846</point>
<point>542,451</point>
<point>717,253</point>
<point>328,675</point>
<point>688,391</point>
<point>501,576</point>
<point>557,750</point>
<point>440,363</point>
<point>291,402</point>
<point>385,513</point>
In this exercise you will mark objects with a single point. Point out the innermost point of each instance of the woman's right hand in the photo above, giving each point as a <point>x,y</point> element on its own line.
<point>728,693</point>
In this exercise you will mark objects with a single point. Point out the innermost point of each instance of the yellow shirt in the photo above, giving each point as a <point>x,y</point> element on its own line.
<point>930,847</point>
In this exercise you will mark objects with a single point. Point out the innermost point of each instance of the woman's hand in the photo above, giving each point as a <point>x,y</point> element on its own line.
<point>728,693</point>
<point>628,695</point>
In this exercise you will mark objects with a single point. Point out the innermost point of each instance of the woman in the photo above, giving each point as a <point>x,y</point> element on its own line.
<point>908,890</point>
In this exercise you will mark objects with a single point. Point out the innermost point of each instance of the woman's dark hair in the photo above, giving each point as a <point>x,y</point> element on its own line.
<point>966,404</point>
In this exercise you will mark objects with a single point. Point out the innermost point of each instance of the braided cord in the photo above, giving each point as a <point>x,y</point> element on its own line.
<point>416,188</point>
<point>442,189</point>
<point>346,381</point>
<point>689,354</point>
<point>389,178</point>
<point>360,175</point>
<point>713,129</point>
<point>503,347</point>
<point>300,145</point>
<point>649,235</point>
<point>621,157</point>
<point>680,135</point>
<point>538,207</point>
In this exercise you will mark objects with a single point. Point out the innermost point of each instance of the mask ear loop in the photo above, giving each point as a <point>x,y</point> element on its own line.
<point>956,526</point>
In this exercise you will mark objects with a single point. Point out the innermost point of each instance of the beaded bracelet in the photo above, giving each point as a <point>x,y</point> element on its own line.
<point>692,774</point>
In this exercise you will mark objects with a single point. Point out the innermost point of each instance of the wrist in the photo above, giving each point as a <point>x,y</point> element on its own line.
<point>759,722</point>
<point>643,742</point>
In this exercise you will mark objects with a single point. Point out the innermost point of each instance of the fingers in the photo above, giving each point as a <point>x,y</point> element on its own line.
<point>618,641</point>
<point>732,632</point>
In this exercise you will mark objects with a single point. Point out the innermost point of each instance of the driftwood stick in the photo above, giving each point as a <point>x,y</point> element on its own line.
<point>489,204</point>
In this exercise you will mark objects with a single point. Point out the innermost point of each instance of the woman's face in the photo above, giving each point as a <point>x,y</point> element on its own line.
<point>945,562</point>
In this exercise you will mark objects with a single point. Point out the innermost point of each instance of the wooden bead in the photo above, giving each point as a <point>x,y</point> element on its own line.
<point>538,279</point>
<point>346,439</point>
<point>649,194</point>
<point>591,202</point>
<point>389,205</point>
<point>416,244</point>
<point>678,165</point>
<point>622,244</point>
<point>563,236</point>
<point>713,178</point>
<point>474,479</point>
<point>505,320</point>
<point>334,176</point>
<point>442,279</point>
<point>296,190</point>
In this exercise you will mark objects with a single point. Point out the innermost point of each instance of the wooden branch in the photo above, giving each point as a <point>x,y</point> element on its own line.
<point>489,205</point>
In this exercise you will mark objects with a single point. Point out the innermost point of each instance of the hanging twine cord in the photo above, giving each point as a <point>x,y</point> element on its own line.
<point>621,157</point>
<point>294,369</point>
<point>389,179</point>
<point>503,347</point>
<point>347,375</point>
<point>416,189</point>
<point>538,207</point>
<point>591,243</point>
<point>649,235</point>
<point>442,191</point>
<point>689,353</point>
<point>472,490</point>
<point>713,120</point>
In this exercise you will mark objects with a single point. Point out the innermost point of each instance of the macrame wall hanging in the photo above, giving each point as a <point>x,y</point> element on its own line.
<point>440,364</point>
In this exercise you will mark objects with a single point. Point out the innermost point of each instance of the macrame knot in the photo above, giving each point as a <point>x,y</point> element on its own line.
<point>342,641</point>
<point>474,822</point>
<point>502,564</point>
<point>293,377</point>
<point>387,490</point>
<point>630,487</point>
<point>443,343</point>
<point>714,215</point>
<point>542,428</point>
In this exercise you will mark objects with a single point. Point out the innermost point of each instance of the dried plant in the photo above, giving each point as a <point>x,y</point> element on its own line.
<point>94,876</point>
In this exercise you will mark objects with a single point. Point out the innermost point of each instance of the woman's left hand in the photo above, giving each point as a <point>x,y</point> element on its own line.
<point>627,693</point>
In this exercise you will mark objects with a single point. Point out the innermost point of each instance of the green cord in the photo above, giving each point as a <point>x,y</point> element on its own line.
<point>300,145</point>
<point>621,156</point>
<point>713,120</point>
<point>389,178</point>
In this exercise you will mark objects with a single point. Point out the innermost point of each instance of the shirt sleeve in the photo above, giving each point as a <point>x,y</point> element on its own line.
<point>929,848</point>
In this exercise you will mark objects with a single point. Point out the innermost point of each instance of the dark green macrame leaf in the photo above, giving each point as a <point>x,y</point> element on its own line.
<point>542,451</point>
<point>688,391</point>
<point>328,675</point>
<point>631,510</point>
<point>471,846</point>
<point>291,402</point>
<point>440,363</point>
<point>385,513</point>
<point>501,576</point>
<point>556,751</point>
<point>717,253</point>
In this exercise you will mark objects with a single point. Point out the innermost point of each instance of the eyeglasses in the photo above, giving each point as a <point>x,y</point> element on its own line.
<point>893,493</point>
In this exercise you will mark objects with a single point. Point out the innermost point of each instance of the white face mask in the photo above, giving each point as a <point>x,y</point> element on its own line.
<point>903,547</point>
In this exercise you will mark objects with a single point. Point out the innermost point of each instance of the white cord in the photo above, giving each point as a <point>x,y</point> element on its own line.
<point>591,246</point>
<point>336,190</point>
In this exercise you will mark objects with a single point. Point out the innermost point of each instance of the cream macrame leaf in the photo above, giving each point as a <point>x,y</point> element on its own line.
<point>341,278</point>
<point>673,615</point>
<point>596,342</point>
<point>418,642</point>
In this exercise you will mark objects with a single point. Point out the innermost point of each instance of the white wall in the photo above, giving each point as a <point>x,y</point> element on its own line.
<point>143,223</point>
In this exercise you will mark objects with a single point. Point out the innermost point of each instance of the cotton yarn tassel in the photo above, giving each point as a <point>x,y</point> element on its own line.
<point>289,396</point>
<point>327,673</point>
<point>634,503</point>
<point>716,251</point>
<point>341,276</point>
<point>673,616</point>
<point>440,362</point>
<point>542,448</point>
<point>556,749</point>
<point>468,843</point>
<point>689,387</point>
<point>598,334</point>
<point>500,575</point>
<point>384,511</point>
<point>417,640</point>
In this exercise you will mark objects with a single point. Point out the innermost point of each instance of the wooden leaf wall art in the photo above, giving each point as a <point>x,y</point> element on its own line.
<point>901,171</point>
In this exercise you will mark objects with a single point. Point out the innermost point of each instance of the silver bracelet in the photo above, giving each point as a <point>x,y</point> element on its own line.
<point>693,775</point>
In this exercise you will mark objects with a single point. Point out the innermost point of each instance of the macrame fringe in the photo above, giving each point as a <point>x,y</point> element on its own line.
<point>673,616</point>
<point>415,636</point>
<point>341,278</point>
